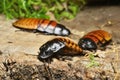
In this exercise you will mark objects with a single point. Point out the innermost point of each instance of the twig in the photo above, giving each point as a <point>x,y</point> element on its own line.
<point>48,70</point>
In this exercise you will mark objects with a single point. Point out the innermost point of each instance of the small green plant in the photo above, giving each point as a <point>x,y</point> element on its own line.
<point>92,61</point>
<point>39,8</point>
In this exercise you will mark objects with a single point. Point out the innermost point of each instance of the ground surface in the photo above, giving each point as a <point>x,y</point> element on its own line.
<point>19,50</point>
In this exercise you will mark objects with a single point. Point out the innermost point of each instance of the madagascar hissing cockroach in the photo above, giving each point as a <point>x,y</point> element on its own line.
<point>62,46</point>
<point>42,25</point>
<point>92,40</point>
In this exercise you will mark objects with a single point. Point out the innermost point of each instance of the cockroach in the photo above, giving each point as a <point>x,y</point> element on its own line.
<point>42,25</point>
<point>62,46</point>
<point>95,39</point>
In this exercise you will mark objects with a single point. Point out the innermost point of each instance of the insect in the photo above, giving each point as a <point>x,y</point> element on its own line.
<point>92,40</point>
<point>42,25</point>
<point>57,46</point>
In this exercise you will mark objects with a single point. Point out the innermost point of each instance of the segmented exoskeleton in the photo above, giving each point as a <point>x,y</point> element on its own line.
<point>42,25</point>
<point>93,40</point>
<point>61,46</point>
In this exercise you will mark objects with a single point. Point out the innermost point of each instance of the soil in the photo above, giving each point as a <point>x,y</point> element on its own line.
<point>19,50</point>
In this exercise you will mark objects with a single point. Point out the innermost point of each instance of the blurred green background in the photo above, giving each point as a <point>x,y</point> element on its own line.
<point>60,9</point>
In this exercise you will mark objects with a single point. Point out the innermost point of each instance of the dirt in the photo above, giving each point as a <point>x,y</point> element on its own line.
<point>19,50</point>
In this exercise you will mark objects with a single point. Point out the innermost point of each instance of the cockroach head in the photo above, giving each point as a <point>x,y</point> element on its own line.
<point>87,44</point>
<point>62,30</point>
<point>50,48</point>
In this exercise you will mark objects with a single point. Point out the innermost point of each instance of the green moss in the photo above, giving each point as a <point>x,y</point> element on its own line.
<point>92,61</point>
<point>38,8</point>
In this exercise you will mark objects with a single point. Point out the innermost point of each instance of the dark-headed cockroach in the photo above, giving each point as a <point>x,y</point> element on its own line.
<point>92,40</point>
<point>61,46</point>
<point>42,25</point>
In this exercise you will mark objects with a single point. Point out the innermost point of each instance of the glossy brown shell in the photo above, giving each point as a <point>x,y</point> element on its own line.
<point>99,36</point>
<point>33,23</point>
<point>42,25</point>
<point>71,48</point>
<point>27,23</point>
